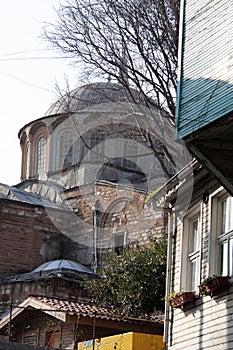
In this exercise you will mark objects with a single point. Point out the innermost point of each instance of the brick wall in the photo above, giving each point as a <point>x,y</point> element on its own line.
<point>24,229</point>
<point>31,235</point>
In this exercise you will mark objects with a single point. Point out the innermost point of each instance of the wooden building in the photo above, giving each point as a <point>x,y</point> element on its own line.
<point>199,309</point>
<point>204,115</point>
<point>62,324</point>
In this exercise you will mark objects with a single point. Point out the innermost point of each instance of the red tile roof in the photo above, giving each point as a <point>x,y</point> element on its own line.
<point>76,308</point>
<point>108,321</point>
<point>88,310</point>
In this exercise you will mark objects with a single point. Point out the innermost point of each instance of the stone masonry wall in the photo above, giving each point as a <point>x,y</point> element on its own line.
<point>120,210</point>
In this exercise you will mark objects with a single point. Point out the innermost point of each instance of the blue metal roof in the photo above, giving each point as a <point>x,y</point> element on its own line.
<point>10,192</point>
<point>205,81</point>
<point>62,264</point>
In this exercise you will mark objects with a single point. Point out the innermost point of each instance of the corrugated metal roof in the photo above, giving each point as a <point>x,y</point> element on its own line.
<point>62,264</point>
<point>10,192</point>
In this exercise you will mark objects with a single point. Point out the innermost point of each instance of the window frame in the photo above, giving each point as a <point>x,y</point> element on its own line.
<point>119,249</point>
<point>41,155</point>
<point>194,251</point>
<point>27,160</point>
<point>189,256</point>
<point>224,238</point>
<point>30,338</point>
<point>97,145</point>
<point>61,158</point>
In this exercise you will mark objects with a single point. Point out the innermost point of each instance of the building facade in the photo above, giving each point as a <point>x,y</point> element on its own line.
<point>199,255</point>
<point>98,151</point>
<point>87,167</point>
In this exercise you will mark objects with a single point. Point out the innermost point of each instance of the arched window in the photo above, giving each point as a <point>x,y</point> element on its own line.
<point>66,149</point>
<point>27,160</point>
<point>97,144</point>
<point>41,155</point>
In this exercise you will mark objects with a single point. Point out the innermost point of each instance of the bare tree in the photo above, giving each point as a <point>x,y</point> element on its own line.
<point>132,41</point>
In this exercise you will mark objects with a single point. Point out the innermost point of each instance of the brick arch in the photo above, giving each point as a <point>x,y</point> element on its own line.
<point>58,121</point>
<point>36,127</point>
<point>24,144</point>
<point>38,131</point>
<point>113,212</point>
<point>23,138</point>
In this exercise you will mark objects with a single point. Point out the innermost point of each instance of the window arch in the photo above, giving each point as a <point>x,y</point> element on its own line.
<point>41,155</point>
<point>27,160</point>
<point>97,144</point>
<point>24,143</point>
<point>66,151</point>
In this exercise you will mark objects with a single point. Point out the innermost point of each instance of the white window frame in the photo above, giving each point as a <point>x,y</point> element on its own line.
<point>224,238</point>
<point>194,251</point>
<point>190,255</point>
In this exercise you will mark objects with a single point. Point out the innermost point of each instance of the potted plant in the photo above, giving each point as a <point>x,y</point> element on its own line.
<point>212,284</point>
<point>179,299</point>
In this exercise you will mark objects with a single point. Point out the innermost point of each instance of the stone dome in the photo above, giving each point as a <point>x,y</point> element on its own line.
<point>93,94</point>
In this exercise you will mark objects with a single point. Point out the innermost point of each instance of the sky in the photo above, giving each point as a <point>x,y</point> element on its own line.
<point>29,71</point>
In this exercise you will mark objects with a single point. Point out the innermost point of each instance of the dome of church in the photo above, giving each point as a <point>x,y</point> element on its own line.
<point>95,132</point>
<point>93,94</point>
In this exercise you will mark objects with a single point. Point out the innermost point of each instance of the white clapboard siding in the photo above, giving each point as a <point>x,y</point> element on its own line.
<point>207,325</point>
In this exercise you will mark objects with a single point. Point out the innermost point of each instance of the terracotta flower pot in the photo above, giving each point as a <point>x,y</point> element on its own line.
<point>182,299</point>
<point>214,285</point>
<point>217,283</point>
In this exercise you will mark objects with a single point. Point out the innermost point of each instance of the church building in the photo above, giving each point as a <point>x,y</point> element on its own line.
<point>87,166</point>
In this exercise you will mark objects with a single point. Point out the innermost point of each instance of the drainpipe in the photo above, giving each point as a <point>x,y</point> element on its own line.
<point>93,331</point>
<point>95,234</point>
<point>168,274</point>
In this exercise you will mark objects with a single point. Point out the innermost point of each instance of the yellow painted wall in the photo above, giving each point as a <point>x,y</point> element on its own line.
<point>126,341</point>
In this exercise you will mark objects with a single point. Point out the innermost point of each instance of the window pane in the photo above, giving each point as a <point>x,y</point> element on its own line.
<point>97,145</point>
<point>193,275</point>
<point>119,244</point>
<point>231,258</point>
<point>224,258</point>
<point>66,149</point>
<point>222,216</point>
<point>41,155</point>
<point>194,236</point>
<point>27,161</point>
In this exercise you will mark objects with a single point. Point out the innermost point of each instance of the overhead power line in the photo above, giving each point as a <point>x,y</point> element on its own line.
<point>34,58</point>
<point>25,82</point>
<point>22,51</point>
